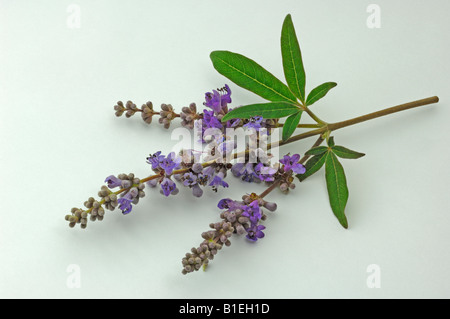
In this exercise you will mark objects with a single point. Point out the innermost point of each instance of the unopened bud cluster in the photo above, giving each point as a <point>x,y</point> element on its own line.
<point>213,242</point>
<point>167,114</point>
<point>94,209</point>
<point>129,109</point>
<point>189,115</point>
<point>147,112</point>
<point>78,216</point>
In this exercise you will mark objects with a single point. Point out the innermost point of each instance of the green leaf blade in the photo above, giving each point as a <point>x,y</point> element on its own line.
<point>290,125</point>
<point>337,187</point>
<point>314,164</point>
<point>317,150</point>
<point>344,152</point>
<point>294,70</point>
<point>330,141</point>
<point>251,76</point>
<point>319,92</point>
<point>273,110</point>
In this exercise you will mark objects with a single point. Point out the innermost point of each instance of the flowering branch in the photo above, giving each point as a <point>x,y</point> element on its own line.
<point>215,126</point>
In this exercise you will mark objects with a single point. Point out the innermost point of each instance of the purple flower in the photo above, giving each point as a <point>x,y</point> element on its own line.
<point>225,203</point>
<point>209,123</point>
<point>210,120</point>
<point>231,205</point>
<point>125,204</point>
<point>218,181</point>
<point>254,123</point>
<point>192,180</point>
<point>265,173</point>
<point>254,232</point>
<point>113,181</point>
<point>169,163</point>
<point>127,199</point>
<point>213,100</point>
<point>291,163</point>
<point>168,187</point>
<point>189,179</point>
<point>208,173</point>
<point>246,170</point>
<point>218,100</point>
<point>253,212</point>
<point>226,97</point>
<point>155,159</point>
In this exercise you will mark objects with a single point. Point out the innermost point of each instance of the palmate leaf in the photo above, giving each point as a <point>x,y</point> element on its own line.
<point>273,110</point>
<point>290,125</point>
<point>292,59</point>
<point>251,76</point>
<point>337,187</point>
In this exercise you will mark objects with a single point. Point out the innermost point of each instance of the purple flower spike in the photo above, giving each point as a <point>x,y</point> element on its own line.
<point>125,205</point>
<point>168,187</point>
<point>291,163</point>
<point>255,232</point>
<point>113,181</point>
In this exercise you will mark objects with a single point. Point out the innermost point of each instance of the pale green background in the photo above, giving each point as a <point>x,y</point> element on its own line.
<point>60,139</point>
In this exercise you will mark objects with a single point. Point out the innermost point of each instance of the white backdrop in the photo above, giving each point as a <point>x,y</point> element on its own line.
<point>60,139</point>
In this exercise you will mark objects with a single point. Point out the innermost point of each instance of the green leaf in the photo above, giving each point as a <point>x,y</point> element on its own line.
<point>330,141</point>
<point>292,59</point>
<point>251,76</point>
<point>319,92</point>
<point>313,165</point>
<point>317,150</point>
<point>273,110</point>
<point>290,125</point>
<point>337,187</point>
<point>344,152</point>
